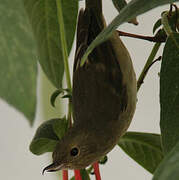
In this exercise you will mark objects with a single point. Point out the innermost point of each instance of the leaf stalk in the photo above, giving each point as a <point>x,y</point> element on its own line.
<point>147,65</point>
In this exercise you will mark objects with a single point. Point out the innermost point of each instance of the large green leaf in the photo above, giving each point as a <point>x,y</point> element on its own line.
<point>60,127</point>
<point>144,148</point>
<point>169,168</point>
<point>169,93</point>
<point>18,69</point>
<point>47,136</point>
<point>132,10</point>
<point>53,32</point>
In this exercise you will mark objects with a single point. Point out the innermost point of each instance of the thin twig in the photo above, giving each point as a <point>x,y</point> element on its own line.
<point>147,65</point>
<point>146,71</point>
<point>148,38</point>
<point>158,59</point>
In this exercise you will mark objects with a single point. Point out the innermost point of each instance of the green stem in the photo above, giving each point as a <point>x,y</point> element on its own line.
<point>65,53</point>
<point>63,41</point>
<point>167,27</point>
<point>147,64</point>
<point>65,60</point>
<point>165,23</point>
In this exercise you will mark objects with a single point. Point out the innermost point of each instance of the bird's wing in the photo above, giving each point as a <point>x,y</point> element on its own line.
<point>98,84</point>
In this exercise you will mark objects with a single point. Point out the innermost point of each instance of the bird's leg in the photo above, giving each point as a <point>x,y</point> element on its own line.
<point>65,174</point>
<point>96,171</point>
<point>77,175</point>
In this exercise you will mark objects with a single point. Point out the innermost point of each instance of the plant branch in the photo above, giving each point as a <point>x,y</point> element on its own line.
<point>148,65</point>
<point>148,38</point>
<point>64,52</point>
<point>96,171</point>
<point>165,23</point>
<point>66,65</point>
<point>77,175</point>
<point>63,41</point>
<point>65,174</point>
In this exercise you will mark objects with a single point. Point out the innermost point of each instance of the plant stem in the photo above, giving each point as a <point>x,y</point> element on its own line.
<point>148,38</point>
<point>77,175</point>
<point>66,65</point>
<point>63,41</point>
<point>147,65</point>
<point>165,23</point>
<point>64,52</point>
<point>167,27</point>
<point>96,171</point>
<point>65,174</point>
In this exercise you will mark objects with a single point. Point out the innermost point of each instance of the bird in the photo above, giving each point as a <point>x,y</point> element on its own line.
<point>103,95</point>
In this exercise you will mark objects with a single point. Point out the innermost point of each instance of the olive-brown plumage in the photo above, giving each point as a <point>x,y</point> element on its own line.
<point>103,98</point>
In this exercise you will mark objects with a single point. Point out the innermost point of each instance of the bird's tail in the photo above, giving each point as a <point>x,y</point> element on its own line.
<point>95,5</point>
<point>90,23</point>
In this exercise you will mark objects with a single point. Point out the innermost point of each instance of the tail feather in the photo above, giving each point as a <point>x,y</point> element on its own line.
<point>95,5</point>
<point>90,24</point>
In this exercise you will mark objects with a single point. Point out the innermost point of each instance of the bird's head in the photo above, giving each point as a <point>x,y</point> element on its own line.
<point>76,150</point>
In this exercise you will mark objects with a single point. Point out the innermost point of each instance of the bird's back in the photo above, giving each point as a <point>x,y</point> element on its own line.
<point>102,93</point>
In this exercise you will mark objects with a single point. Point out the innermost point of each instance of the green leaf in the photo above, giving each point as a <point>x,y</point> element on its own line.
<point>69,96</point>
<point>157,25</point>
<point>120,4</point>
<point>45,138</point>
<point>84,174</point>
<point>44,17</point>
<point>60,127</point>
<point>103,160</point>
<point>168,169</point>
<point>144,148</point>
<point>169,93</point>
<point>55,95</point>
<point>18,66</point>
<point>42,145</point>
<point>173,20</point>
<point>133,9</point>
<point>57,92</point>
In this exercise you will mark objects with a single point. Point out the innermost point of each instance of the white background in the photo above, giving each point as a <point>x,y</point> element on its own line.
<point>17,163</point>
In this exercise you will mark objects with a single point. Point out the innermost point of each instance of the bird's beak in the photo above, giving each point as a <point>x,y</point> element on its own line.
<point>53,167</point>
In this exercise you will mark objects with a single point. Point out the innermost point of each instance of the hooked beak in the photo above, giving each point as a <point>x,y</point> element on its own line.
<point>53,167</point>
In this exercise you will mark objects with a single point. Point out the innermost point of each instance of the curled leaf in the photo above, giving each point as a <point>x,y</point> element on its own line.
<point>55,95</point>
<point>47,136</point>
<point>120,4</point>
<point>67,96</point>
<point>103,160</point>
<point>60,127</point>
<point>58,92</point>
<point>157,25</point>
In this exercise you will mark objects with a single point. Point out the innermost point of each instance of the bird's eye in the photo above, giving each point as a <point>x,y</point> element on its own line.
<point>74,151</point>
